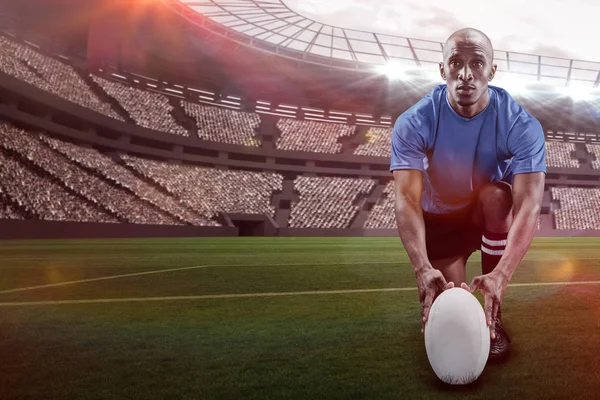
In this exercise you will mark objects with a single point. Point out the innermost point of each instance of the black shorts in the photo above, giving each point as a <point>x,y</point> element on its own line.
<point>450,235</point>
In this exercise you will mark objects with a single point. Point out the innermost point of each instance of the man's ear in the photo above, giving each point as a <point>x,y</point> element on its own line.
<point>493,72</point>
<point>442,72</point>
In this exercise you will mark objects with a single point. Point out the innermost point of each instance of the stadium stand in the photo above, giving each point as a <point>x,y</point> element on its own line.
<point>382,215</point>
<point>48,74</point>
<point>595,150</point>
<point>559,155</point>
<point>124,177</point>
<point>378,143</point>
<point>320,137</point>
<point>117,201</point>
<point>327,202</point>
<point>44,198</point>
<point>211,191</point>
<point>148,109</point>
<point>579,208</point>
<point>7,210</point>
<point>224,125</point>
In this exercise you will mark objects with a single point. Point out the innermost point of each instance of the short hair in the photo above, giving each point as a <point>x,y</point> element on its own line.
<point>471,32</point>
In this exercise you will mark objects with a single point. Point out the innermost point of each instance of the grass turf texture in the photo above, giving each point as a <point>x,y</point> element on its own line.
<point>350,345</point>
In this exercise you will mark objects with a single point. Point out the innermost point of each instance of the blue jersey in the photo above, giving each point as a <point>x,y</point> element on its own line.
<point>459,155</point>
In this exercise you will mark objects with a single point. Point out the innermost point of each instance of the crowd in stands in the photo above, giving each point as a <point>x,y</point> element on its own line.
<point>125,178</point>
<point>223,125</point>
<point>211,191</point>
<point>52,179</point>
<point>327,202</point>
<point>49,74</point>
<point>148,109</point>
<point>44,198</point>
<point>117,201</point>
<point>319,137</point>
<point>579,208</point>
<point>7,210</point>
<point>595,150</point>
<point>382,214</point>
<point>378,143</point>
<point>559,155</point>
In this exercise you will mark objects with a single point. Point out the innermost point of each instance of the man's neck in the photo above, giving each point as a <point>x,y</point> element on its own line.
<point>471,110</point>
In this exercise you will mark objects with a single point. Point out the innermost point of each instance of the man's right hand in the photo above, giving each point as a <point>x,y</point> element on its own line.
<point>430,282</point>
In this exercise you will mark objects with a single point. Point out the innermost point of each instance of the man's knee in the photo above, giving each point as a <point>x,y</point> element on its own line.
<point>496,194</point>
<point>496,202</point>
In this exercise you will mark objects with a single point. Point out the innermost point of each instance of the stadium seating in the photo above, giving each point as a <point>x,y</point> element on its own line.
<point>211,191</point>
<point>378,143</point>
<point>117,201</point>
<point>51,75</point>
<point>558,155</point>
<point>595,150</point>
<point>43,197</point>
<point>148,109</point>
<point>382,215</point>
<point>224,125</point>
<point>579,208</point>
<point>7,210</point>
<point>319,137</point>
<point>125,178</point>
<point>327,202</point>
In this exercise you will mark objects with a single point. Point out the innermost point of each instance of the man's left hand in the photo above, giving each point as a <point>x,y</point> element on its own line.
<point>492,286</point>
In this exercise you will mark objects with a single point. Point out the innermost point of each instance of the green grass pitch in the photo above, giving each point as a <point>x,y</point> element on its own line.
<point>274,318</point>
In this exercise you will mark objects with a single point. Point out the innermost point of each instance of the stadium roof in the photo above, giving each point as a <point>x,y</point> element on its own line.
<point>270,25</point>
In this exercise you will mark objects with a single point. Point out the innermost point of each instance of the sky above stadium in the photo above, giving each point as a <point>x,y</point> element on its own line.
<point>555,28</point>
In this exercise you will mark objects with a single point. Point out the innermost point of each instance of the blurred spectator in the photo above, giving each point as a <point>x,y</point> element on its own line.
<point>51,75</point>
<point>43,197</point>
<point>7,211</point>
<point>319,137</point>
<point>125,178</point>
<point>224,125</point>
<point>118,201</point>
<point>382,215</point>
<point>595,150</point>
<point>378,143</point>
<point>559,155</point>
<point>148,109</point>
<point>579,208</point>
<point>327,202</point>
<point>212,191</point>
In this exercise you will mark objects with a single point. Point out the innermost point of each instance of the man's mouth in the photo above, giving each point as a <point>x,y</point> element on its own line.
<point>466,89</point>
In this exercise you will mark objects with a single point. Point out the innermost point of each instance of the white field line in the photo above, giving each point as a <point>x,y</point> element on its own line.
<point>101,278</point>
<point>255,295</point>
<point>104,278</point>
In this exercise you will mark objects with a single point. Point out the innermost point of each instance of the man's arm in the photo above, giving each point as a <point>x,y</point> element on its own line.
<point>409,216</point>
<point>411,228</point>
<point>528,190</point>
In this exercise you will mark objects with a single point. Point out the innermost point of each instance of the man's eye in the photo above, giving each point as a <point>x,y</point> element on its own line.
<point>454,63</point>
<point>478,64</point>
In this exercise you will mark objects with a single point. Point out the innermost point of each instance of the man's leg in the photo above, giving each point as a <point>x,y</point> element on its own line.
<point>495,216</point>
<point>453,268</point>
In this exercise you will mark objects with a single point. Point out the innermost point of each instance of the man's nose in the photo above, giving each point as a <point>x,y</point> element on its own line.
<point>465,74</point>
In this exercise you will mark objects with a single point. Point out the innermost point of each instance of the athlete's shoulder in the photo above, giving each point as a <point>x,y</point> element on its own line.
<point>511,112</point>
<point>422,114</point>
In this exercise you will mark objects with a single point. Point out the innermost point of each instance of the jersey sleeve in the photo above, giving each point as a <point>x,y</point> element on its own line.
<point>408,146</point>
<point>527,144</point>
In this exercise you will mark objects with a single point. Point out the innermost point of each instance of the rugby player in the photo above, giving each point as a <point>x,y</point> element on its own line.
<point>469,166</point>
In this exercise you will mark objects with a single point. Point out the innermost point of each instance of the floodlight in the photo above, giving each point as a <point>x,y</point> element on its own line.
<point>514,85</point>
<point>393,70</point>
<point>578,92</point>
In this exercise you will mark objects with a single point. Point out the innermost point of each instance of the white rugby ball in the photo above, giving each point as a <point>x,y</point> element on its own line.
<point>457,339</point>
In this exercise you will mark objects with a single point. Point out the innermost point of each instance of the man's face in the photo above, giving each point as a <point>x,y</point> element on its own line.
<point>467,69</point>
